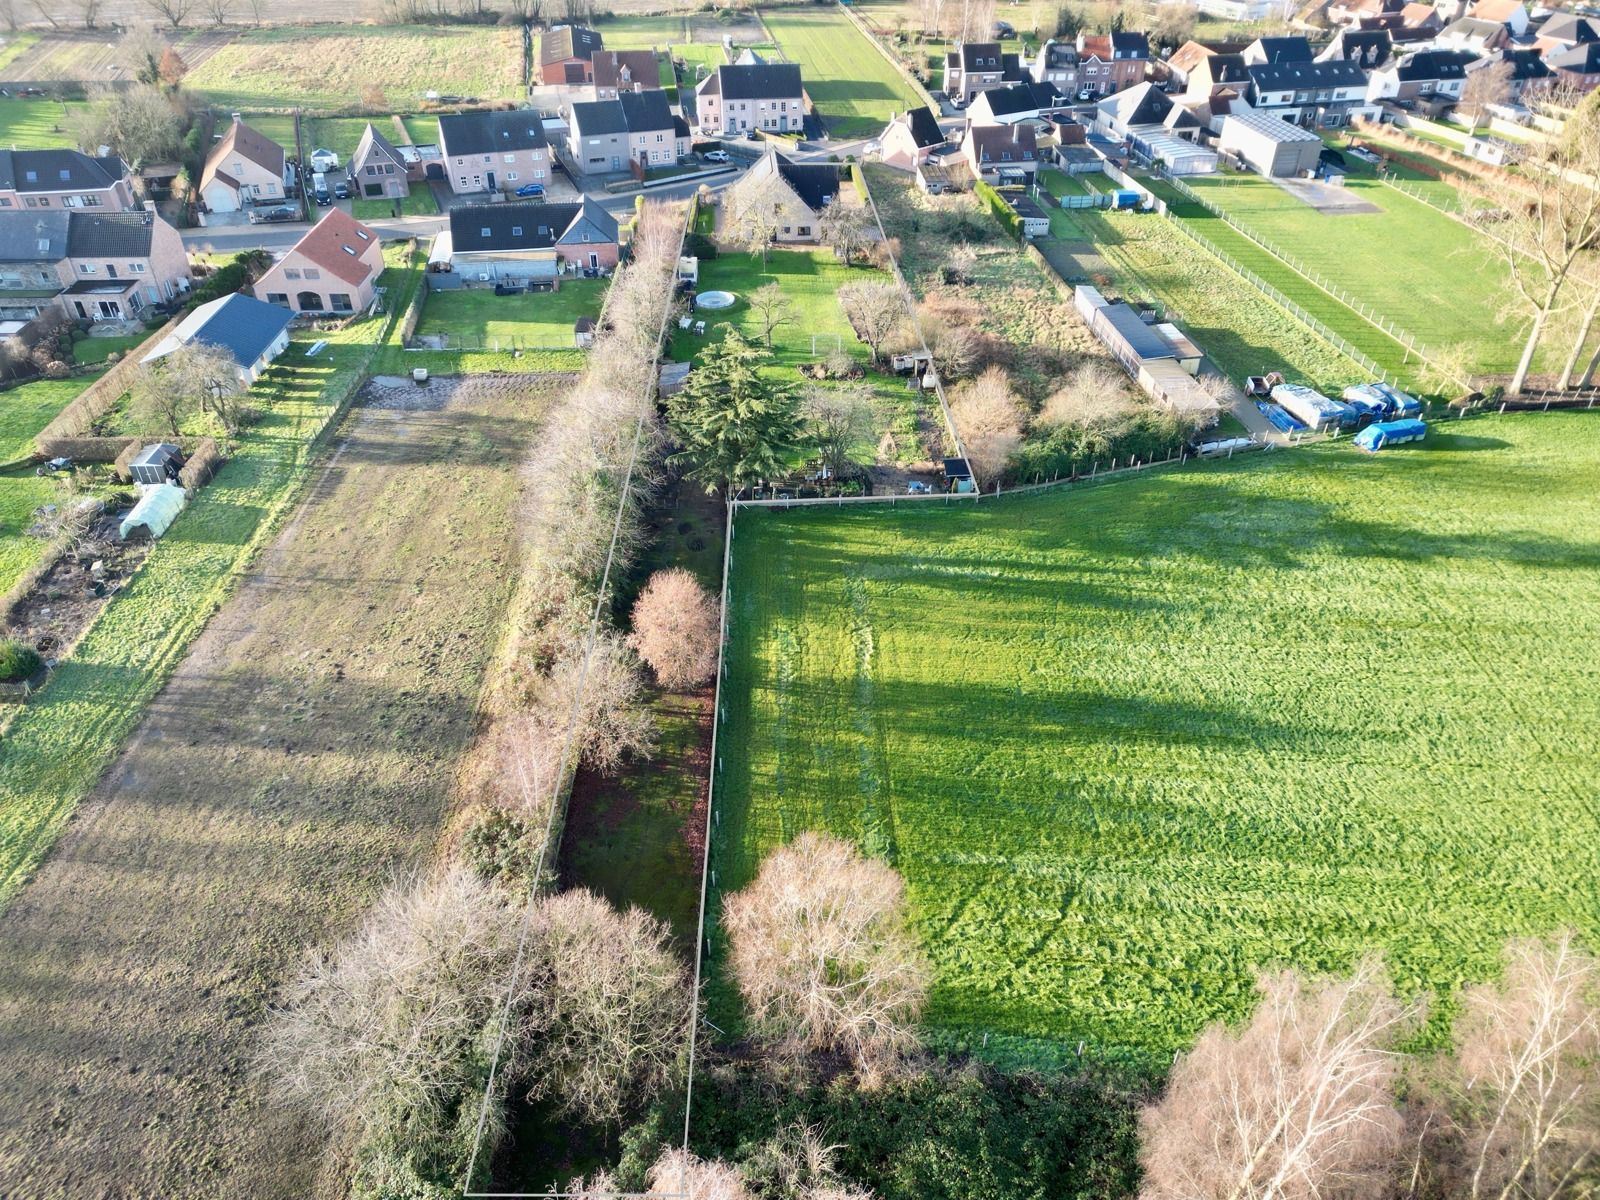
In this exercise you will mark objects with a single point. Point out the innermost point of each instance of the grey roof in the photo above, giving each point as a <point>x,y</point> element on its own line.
<point>110,235</point>
<point>1570,27</point>
<point>815,183</point>
<point>57,171</point>
<point>631,112</point>
<point>1145,104</point>
<point>759,81</point>
<point>1369,47</point>
<point>1130,44</point>
<point>1288,77</point>
<point>1019,98</point>
<point>980,56</point>
<point>1434,64</point>
<point>1526,64</point>
<point>374,144</point>
<point>924,127</point>
<point>1284,49</point>
<point>239,324</point>
<point>491,132</point>
<point>1584,59</point>
<point>1145,342</point>
<point>592,118</point>
<point>568,41</point>
<point>33,235</point>
<point>523,226</point>
<point>1223,68</point>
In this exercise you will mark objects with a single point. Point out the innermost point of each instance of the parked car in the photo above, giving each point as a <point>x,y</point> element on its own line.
<point>872,147</point>
<point>278,212</point>
<point>531,189</point>
<point>323,197</point>
<point>323,159</point>
<point>341,191</point>
<point>752,135</point>
<point>718,156</point>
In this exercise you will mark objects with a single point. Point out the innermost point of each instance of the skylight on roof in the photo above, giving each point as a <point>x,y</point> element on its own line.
<point>350,250</point>
<point>363,235</point>
<point>516,231</point>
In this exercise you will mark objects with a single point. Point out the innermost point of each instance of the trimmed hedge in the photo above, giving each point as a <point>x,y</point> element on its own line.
<point>202,464</point>
<point>1003,212</point>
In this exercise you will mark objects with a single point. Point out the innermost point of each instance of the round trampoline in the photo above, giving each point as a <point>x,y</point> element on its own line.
<point>714,300</point>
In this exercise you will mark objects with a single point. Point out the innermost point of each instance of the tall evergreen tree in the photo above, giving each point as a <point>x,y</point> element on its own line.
<point>733,425</point>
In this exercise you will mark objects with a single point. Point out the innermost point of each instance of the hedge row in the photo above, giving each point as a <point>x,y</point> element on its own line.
<point>1003,212</point>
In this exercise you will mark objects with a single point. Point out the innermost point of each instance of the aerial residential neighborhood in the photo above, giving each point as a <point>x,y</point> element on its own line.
<point>866,599</point>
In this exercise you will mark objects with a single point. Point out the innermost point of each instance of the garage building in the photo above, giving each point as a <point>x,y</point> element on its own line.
<point>1270,145</point>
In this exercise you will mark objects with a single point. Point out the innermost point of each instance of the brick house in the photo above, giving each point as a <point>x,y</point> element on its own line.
<point>910,139</point>
<point>1001,153</point>
<point>636,127</point>
<point>618,71</point>
<point>121,263</point>
<point>64,179</point>
<point>334,268</point>
<point>971,68</point>
<point>377,169</point>
<point>1110,62</point>
<point>33,262</point>
<point>736,99</point>
<point>244,167</point>
<point>493,151</point>
<point>523,241</point>
<point>1423,74</point>
<point>566,55</point>
<point>1577,68</point>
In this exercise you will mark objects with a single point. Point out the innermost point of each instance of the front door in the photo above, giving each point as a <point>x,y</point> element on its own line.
<point>82,312</point>
<point>594,260</point>
<point>490,177</point>
<point>616,163</point>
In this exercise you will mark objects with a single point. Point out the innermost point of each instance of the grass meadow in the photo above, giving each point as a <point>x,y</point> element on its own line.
<point>330,66</point>
<point>1445,291</point>
<point>537,319</point>
<point>35,124</point>
<point>1130,742</point>
<point>854,88</point>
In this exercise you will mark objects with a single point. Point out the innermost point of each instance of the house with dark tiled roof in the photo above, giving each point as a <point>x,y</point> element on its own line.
<point>1424,74</point>
<point>1368,48</point>
<point>1577,67</point>
<point>245,167</point>
<point>756,96</point>
<point>1564,30</point>
<point>566,55</point>
<point>377,169</point>
<point>910,138</point>
<point>334,268</point>
<point>251,332</point>
<point>33,261</point>
<point>799,193</point>
<point>1311,93</point>
<point>494,151</point>
<point>1218,72</point>
<point>1001,153</point>
<point>1525,70</point>
<point>1015,102</point>
<point>122,263</point>
<point>1278,50</point>
<point>971,68</point>
<point>525,242</point>
<point>1183,61</point>
<point>635,127</point>
<point>63,179</point>
<point>618,71</point>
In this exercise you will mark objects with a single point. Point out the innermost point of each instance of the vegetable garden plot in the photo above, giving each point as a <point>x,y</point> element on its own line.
<point>1129,743</point>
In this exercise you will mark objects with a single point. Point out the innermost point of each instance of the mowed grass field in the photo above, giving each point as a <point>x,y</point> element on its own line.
<point>1129,743</point>
<point>331,66</point>
<point>1423,271</point>
<point>854,88</point>
<point>36,124</point>
<point>540,320</point>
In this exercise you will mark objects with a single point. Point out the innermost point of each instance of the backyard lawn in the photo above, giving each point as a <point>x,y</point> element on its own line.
<point>1448,292</point>
<point>337,66</point>
<point>420,203</point>
<point>35,124</point>
<point>854,88</point>
<point>536,320</point>
<point>27,409</point>
<point>1128,743</point>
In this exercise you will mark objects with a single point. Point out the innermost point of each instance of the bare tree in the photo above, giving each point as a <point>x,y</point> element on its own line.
<point>139,123</point>
<point>676,629</point>
<point>1488,83</point>
<point>961,263</point>
<point>989,417</point>
<point>845,229</point>
<point>1296,1105</point>
<point>140,52</point>
<point>1521,1092</point>
<point>174,12</point>
<point>837,420</point>
<point>1091,408</point>
<point>952,342</point>
<point>682,1173</point>
<point>1173,25</point>
<point>1587,317</point>
<point>752,211</point>
<point>614,999</point>
<point>874,310</point>
<point>48,10</point>
<point>387,1028</point>
<point>88,12</point>
<point>258,9</point>
<point>772,308</point>
<point>824,955</point>
<point>600,691</point>
<point>1546,231</point>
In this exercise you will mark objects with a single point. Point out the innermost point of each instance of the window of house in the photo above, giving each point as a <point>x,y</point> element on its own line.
<point>488,158</point>
<point>786,229</point>
<point>511,176</point>
<point>484,231</point>
<point>278,298</point>
<point>5,202</point>
<point>803,231</point>
<point>516,231</point>
<point>31,176</point>
<point>291,272</point>
<point>463,181</point>
<point>339,302</point>
<point>88,268</point>
<point>313,273</point>
<point>511,158</point>
<point>136,268</point>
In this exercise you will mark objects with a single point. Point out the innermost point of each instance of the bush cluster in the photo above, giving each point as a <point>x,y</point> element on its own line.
<point>17,661</point>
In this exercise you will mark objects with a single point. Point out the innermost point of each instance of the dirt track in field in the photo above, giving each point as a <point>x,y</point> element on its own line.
<point>302,755</point>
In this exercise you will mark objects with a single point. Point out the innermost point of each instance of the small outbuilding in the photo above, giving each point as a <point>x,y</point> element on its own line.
<point>1034,220</point>
<point>156,465</point>
<point>251,332</point>
<point>583,332</point>
<point>155,512</point>
<point>1270,145</point>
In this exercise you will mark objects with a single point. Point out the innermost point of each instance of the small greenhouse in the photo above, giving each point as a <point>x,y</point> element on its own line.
<point>155,512</point>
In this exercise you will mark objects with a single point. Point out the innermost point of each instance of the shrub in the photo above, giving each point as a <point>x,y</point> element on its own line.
<point>1003,213</point>
<point>17,661</point>
<point>676,629</point>
<point>698,245</point>
<point>202,464</point>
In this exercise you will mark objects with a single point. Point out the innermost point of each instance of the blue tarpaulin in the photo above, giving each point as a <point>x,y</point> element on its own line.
<point>1389,433</point>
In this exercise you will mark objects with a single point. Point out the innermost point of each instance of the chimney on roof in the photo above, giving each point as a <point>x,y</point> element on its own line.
<point>237,119</point>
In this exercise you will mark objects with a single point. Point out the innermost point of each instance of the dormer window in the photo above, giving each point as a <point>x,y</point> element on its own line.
<point>516,231</point>
<point>31,176</point>
<point>44,245</point>
<point>66,174</point>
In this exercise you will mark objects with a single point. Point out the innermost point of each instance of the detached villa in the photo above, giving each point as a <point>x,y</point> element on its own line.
<point>524,243</point>
<point>244,168</point>
<point>334,268</point>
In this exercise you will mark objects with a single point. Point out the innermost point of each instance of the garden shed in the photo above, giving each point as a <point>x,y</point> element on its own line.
<point>157,464</point>
<point>155,512</point>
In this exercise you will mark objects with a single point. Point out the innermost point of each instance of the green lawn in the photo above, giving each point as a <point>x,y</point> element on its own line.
<point>853,86</point>
<point>538,320</point>
<point>1451,286</point>
<point>810,279</point>
<point>35,124</point>
<point>709,56</point>
<point>95,349</point>
<point>27,409</point>
<point>420,203</point>
<point>642,32</point>
<point>332,67</point>
<point>56,749</point>
<point>1128,743</point>
<point>20,493</point>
